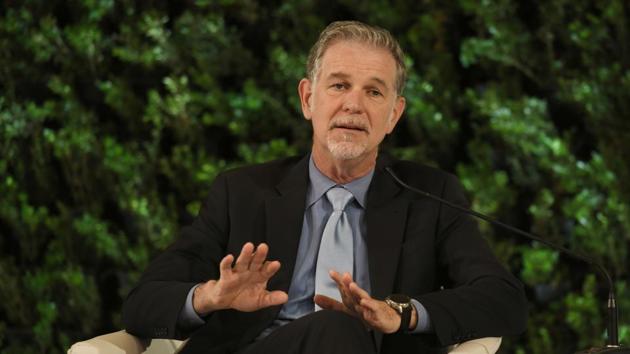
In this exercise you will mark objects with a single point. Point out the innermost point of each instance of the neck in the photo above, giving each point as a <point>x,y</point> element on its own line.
<point>344,171</point>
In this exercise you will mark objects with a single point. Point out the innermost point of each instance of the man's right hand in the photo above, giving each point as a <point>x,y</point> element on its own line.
<point>242,287</point>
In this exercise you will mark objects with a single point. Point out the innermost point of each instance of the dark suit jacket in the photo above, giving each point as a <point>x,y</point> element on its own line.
<point>415,246</point>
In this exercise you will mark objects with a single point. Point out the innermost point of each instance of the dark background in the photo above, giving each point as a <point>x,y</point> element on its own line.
<point>115,116</point>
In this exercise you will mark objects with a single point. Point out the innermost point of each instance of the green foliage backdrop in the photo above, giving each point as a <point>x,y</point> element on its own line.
<point>115,116</point>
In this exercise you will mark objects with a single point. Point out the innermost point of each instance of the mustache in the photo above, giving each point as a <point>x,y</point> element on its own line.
<point>349,123</point>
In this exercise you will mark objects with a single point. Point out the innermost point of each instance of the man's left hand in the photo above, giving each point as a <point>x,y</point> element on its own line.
<point>376,314</point>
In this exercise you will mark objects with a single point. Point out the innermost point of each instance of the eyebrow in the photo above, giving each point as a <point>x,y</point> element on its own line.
<point>344,76</point>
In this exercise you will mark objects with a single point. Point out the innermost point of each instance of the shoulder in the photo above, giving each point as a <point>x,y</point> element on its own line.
<point>265,174</point>
<point>422,176</point>
<point>419,171</point>
<point>431,180</point>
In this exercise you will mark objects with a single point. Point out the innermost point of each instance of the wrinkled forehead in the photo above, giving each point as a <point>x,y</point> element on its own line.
<point>345,58</point>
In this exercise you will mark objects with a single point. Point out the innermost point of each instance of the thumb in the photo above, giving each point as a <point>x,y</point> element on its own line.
<point>329,303</point>
<point>274,298</point>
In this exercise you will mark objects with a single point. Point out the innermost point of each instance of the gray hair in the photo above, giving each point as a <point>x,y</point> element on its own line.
<point>363,33</point>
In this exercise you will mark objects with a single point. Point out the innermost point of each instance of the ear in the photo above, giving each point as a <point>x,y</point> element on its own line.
<point>306,96</point>
<point>397,111</point>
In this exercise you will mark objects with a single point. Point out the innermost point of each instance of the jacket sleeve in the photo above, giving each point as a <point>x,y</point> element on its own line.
<point>152,308</point>
<point>481,298</point>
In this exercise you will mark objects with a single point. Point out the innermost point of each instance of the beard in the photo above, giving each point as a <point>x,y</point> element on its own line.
<point>345,145</point>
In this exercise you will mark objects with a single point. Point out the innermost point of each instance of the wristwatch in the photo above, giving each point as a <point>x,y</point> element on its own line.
<point>402,304</point>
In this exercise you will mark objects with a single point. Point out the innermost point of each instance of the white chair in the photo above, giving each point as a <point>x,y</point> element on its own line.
<point>122,342</point>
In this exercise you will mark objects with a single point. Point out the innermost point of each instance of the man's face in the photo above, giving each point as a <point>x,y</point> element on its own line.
<point>353,101</point>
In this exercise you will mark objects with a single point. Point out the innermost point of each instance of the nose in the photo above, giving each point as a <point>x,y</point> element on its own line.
<point>353,102</point>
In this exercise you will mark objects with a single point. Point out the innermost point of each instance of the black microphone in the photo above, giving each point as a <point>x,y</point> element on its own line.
<point>612,345</point>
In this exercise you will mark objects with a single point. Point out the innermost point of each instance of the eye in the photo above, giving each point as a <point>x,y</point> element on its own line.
<point>338,86</point>
<point>375,93</point>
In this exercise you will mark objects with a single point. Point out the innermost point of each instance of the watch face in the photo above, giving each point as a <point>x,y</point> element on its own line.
<point>400,298</point>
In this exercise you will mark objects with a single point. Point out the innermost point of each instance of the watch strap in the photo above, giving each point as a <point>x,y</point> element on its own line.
<point>405,319</point>
<point>402,305</point>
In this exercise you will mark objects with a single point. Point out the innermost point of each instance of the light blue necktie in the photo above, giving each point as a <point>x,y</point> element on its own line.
<point>336,249</point>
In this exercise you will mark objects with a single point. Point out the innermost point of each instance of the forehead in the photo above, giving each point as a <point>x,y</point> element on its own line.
<point>358,61</point>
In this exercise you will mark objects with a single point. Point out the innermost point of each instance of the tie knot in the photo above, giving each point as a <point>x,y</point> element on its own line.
<point>339,198</point>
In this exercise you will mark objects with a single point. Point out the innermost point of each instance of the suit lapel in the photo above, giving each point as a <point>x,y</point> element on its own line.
<point>284,216</point>
<point>386,219</point>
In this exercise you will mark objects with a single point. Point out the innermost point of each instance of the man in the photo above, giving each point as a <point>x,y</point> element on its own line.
<point>326,253</point>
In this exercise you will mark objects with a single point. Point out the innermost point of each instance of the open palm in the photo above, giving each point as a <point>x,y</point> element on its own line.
<point>242,287</point>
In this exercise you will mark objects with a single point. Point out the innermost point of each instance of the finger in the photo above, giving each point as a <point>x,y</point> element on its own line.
<point>358,292</point>
<point>269,269</point>
<point>245,258</point>
<point>338,279</point>
<point>225,267</point>
<point>354,290</point>
<point>346,279</point>
<point>329,303</point>
<point>259,257</point>
<point>342,283</point>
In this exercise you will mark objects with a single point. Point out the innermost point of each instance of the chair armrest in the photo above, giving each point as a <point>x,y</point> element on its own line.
<point>122,342</point>
<point>119,342</point>
<point>488,345</point>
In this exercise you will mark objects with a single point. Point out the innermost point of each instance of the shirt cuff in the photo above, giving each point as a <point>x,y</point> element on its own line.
<point>423,325</point>
<point>188,318</point>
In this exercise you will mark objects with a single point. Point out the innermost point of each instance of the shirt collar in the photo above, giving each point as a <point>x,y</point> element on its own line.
<point>320,184</point>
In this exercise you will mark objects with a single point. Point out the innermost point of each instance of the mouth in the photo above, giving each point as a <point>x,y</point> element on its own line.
<point>346,129</point>
<point>349,127</point>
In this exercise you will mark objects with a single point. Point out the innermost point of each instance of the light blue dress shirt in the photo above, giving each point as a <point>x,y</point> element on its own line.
<point>302,288</point>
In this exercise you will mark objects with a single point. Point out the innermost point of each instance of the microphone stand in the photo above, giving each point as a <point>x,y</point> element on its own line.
<point>612,345</point>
